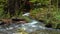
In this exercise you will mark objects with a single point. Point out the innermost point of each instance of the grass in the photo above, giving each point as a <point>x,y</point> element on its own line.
<point>52,16</point>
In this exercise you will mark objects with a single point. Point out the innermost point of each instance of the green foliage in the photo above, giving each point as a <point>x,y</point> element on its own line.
<point>2,3</point>
<point>48,14</point>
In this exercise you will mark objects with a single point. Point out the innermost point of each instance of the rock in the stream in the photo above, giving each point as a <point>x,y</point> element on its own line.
<point>17,20</point>
<point>5,22</point>
<point>14,20</point>
<point>49,25</point>
<point>2,23</point>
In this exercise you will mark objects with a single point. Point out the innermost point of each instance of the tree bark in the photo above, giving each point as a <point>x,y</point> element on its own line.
<point>11,7</point>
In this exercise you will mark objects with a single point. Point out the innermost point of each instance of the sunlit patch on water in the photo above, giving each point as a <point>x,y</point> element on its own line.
<point>26,14</point>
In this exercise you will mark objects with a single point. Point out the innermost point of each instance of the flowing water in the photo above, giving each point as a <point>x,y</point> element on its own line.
<point>33,27</point>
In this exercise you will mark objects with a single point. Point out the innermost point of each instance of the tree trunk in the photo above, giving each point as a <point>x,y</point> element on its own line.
<point>11,7</point>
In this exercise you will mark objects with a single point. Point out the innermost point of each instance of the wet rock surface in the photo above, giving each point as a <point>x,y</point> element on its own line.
<point>10,21</point>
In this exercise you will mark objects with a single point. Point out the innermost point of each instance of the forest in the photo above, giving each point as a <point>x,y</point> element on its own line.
<point>44,11</point>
